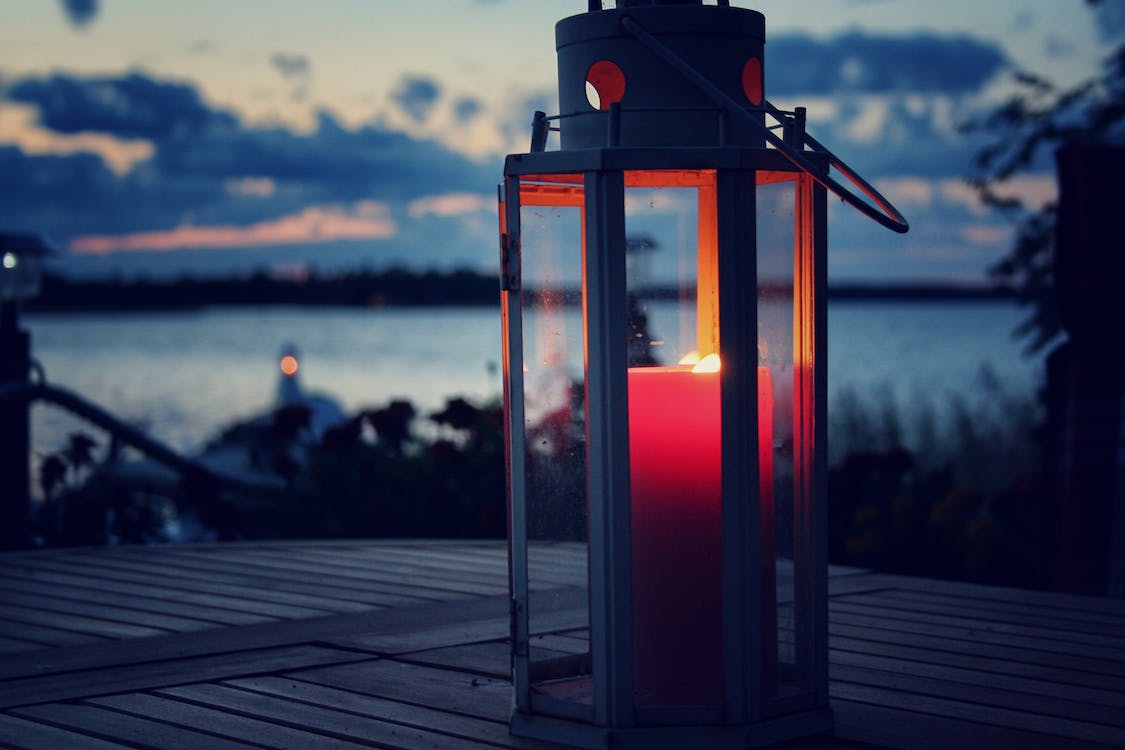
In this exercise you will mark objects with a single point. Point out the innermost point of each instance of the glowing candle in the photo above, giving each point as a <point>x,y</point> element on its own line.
<point>676,491</point>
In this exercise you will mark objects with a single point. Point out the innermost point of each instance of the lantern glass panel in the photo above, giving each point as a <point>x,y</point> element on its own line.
<point>786,410</point>
<point>551,223</point>
<point>674,437</point>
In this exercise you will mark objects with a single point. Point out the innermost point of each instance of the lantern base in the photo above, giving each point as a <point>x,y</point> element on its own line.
<point>714,737</point>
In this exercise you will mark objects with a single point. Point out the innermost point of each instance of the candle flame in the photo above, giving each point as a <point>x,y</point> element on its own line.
<point>289,365</point>
<point>710,363</point>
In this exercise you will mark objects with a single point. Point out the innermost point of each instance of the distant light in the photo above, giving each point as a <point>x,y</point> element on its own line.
<point>289,365</point>
<point>11,260</point>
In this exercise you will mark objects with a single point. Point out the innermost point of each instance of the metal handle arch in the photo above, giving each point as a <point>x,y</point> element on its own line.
<point>883,212</point>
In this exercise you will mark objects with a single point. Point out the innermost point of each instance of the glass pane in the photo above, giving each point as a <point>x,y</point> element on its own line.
<point>551,224</point>
<point>784,578</point>
<point>674,437</point>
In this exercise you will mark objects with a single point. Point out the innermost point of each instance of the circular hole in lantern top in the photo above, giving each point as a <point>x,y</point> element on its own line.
<point>605,84</point>
<point>752,80</point>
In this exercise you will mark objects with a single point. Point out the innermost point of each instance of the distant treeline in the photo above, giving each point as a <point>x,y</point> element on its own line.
<point>392,288</point>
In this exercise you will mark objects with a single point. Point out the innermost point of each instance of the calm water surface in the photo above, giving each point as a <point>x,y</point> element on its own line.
<point>185,375</point>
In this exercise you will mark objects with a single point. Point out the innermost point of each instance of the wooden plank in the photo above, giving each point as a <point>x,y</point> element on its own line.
<point>133,677</point>
<point>984,675</point>
<point>15,645</point>
<point>220,721</point>
<point>996,660</point>
<point>1062,730</point>
<point>980,695</point>
<point>166,648</point>
<point>460,631</point>
<point>488,659</point>
<point>471,631</point>
<point>129,602</point>
<point>45,635</point>
<point>264,578</point>
<point>221,606</point>
<point>1074,603</point>
<point>563,642</point>
<point>360,573</point>
<point>211,581</point>
<point>910,730</point>
<point>463,694</point>
<point>47,603</point>
<point>110,725</point>
<point>856,583</point>
<point>199,592</point>
<point>33,735</point>
<point>1109,624</point>
<point>381,584</point>
<point>434,717</point>
<point>77,623</point>
<point>379,730</point>
<point>1089,658</point>
<point>1045,628</point>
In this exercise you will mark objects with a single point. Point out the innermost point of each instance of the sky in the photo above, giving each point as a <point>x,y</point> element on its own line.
<point>156,137</point>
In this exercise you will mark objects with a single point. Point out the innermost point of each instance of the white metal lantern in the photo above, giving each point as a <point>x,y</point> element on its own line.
<point>663,278</point>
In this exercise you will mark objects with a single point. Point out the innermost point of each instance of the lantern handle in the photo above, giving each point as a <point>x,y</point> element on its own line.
<point>883,212</point>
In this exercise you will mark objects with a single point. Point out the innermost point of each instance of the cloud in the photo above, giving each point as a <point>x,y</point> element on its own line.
<point>131,106</point>
<point>450,204</point>
<point>203,174</point>
<point>859,62</point>
<point>80,12</point>
<point>466,108</point>
<point>291,66</point>
<point>1111,19</point>
<point>17,126</point>
<point>364,220</point>
<point>416,95</point>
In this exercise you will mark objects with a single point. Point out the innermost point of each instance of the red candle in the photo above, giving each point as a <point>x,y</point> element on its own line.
<point>676,486</point>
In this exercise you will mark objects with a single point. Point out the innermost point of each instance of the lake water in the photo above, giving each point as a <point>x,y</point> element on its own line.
<point>185,375</point>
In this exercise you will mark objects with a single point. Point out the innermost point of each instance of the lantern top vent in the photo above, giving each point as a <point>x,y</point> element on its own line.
<point>602,64</point>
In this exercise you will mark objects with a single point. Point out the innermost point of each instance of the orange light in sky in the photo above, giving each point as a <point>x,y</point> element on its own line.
<point>289,365</point>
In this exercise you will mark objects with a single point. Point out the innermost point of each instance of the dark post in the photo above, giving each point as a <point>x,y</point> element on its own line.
<point>15,490</point>
<point>1086,374</point>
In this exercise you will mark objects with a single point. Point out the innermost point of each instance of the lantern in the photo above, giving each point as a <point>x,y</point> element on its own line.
<point>663,296</point>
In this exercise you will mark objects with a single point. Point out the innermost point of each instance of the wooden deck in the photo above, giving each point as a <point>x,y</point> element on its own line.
<point>402,644</point>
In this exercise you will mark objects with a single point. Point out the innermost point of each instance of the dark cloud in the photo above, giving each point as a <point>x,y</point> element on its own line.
<point>80,12</point>
<point>900,135</point>
<point>291,66</point>
<point>466,108</point>
<point>198,153</point>
<point>1111,18</point>
<point>417,96</point>
<point>857,62</point>
<point>132,106</point>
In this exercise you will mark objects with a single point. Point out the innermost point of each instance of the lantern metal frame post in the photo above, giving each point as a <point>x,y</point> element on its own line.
<point>21,258</point>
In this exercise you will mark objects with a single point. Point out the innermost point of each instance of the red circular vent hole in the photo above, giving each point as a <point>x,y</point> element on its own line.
<point>752,80</point>
<point>605,84</point>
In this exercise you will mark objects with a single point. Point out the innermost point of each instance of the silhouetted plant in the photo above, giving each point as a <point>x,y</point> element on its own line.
<point>959,498</point>
<point>82,505</point>
<point>1041,116</point>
